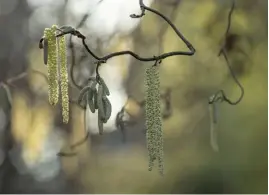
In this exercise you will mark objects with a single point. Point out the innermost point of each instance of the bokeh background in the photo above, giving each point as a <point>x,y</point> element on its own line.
<point>32,131</point>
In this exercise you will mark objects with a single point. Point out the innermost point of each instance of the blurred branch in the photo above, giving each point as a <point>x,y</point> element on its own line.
<point>220,95</point>
<point>228,27</point>
<point>24,74</point>
<point>165,27</point>
<point>9,82</point>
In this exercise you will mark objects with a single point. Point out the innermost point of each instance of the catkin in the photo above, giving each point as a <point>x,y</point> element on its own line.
<point>64,77</point>
<point>45,51</point>
<point>101,108</point>
<point>49,34</point>
<point>213,130</point>
<point>153,117</point>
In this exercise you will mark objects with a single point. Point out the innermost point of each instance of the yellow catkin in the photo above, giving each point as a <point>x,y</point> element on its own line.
<point>49,34</point>
<point>153,117</point>
<point>149,117</point>
<point>64,78</point>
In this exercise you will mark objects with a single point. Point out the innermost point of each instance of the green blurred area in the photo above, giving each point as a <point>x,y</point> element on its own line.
<point>190,164</point>
<point>241,164</point>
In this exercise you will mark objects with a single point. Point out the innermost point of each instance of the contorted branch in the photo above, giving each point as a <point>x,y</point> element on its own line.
<point>103,59</point>
<point>220,95</point>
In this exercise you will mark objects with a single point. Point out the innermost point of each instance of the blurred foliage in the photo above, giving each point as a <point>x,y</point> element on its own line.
<point>190,164</point>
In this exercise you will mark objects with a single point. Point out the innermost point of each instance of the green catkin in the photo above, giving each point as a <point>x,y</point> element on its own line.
<point>82,93</point>
<point>91,100</point>
<point>108,108</point>
<point>158,120</point>
<point>49,34</point>
<point>101,108</point>
<point>149,119</point>
<point>213,130</point>
<point>95,98</point>
<point>153,117</point>
<point>91,94</point>
<point>100,123</point>
<point>64,78</point>
<point>105,88</point>
<point>45,51</point>
<point>93,84</point>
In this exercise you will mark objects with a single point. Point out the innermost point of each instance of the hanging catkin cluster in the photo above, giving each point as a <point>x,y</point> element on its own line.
<point>96,99</point>
<point>153,117</point>
<point>55,57</point>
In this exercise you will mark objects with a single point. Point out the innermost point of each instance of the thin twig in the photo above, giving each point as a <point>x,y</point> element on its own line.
<point>103,59</point>
<point>220,95</point>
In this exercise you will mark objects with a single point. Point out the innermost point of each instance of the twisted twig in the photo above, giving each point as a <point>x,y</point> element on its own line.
<point>136,56</point>
<point>220,95</point>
